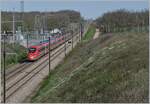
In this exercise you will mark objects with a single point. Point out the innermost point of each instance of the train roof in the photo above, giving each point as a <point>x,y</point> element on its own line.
<point>42,43</point>
<point>39,45</point>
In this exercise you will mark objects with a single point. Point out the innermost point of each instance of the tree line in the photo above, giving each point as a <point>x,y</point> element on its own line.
<point>37,20</point>
<point>123,20</point>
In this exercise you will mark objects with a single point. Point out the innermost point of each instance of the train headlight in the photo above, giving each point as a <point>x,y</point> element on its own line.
<point>31,57</point>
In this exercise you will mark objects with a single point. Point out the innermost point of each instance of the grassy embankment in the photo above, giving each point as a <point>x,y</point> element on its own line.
<point>89,34</point>
<point>112,68</point>
<point>14,54</point>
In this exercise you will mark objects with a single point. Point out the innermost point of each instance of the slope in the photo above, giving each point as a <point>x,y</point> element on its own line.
<point>111,68</point>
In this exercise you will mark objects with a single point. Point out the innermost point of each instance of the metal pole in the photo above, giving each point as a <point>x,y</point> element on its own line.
<point>13,22</point>
<point>81,30</point>
<point>27,40</point>
<point>72,39</point>
<point>65,44</point>
<point>13,26</point>
<point>4,84</point>
<point>49,54</point>
<point>45,46</point>
<point>22,14</point>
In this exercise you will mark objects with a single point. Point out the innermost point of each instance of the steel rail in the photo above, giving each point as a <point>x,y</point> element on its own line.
<point>31,76</point>
<point>19,68</point>
<point>59,51</point>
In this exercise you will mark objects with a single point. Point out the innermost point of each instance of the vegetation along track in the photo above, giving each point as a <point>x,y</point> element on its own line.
<point>18,84</point>
<point>29,75</point>
<point>25,65</point>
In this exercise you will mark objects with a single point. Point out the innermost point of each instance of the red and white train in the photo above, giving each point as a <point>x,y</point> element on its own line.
<point>36,51</point>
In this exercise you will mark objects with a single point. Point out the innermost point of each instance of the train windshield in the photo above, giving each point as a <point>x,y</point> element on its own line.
<point>44,41</point>
<point>32,50</point>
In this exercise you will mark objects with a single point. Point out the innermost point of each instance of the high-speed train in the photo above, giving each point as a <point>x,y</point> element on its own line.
<point>36,51</point>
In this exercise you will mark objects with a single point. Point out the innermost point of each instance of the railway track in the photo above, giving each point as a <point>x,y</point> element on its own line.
<point>23,66</point>
<point>11,89</point>
<point>22,81</point>
<point>24,63</point>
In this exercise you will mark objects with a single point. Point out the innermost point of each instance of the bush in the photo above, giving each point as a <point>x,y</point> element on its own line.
<point>89,34</point>
<point>14,54</point>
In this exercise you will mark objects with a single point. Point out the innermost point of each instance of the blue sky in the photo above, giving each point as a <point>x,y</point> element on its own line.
<point>88,9</point>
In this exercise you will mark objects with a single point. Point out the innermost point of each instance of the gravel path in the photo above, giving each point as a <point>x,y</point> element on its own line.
<point>96,34</point>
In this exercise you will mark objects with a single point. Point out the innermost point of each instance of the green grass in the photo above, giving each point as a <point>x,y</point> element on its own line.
<point>112,68</point>
<point>11,59</point>
<point>89,34</point>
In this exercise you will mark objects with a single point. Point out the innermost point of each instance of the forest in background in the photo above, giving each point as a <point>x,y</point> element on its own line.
<point>36,20</point>
<point>123,20</point>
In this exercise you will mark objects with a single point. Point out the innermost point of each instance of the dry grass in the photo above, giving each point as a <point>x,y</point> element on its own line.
<point>112,68</point>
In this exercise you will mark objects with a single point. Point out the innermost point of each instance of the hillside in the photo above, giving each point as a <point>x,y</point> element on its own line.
<point>112,68</point>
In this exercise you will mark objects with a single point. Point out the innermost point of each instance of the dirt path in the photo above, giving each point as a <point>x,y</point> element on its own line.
<point>96,34</point>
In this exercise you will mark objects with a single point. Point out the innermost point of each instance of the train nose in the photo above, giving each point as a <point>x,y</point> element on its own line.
<point>31,57</point>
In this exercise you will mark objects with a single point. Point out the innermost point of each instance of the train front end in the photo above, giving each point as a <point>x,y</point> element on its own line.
<point>33,53</point>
